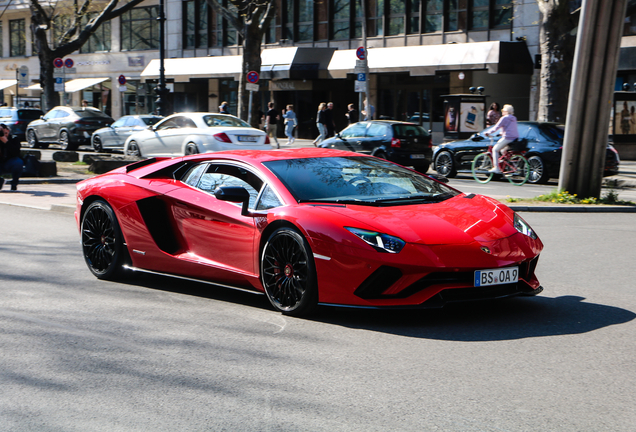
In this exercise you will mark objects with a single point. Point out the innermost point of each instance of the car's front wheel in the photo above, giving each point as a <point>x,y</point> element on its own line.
<point>102,241</point>
<point>445,165</point>
<point>538,173</point>
<point>32,139</point>
<point>133,149</point>
<point>288,273</point>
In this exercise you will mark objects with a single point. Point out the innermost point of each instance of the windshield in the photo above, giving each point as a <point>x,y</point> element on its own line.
<point>356,180</point>
<point>224,120</point>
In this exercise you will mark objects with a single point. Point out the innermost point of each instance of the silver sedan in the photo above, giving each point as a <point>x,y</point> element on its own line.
<point>114,136</point>
<point>192,133</point>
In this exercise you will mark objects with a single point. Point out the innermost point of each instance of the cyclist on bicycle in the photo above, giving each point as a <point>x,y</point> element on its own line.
<point>508,124</point>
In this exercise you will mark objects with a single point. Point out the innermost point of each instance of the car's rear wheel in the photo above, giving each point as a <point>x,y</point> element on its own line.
<point>102,241</point>
<point>32,139</point>
<point>133,149</point>
<point>422,168</point>
<point>97,144</point>
<point>65,141</point>
<point>288,273</point>
<point>538,173</point>
<point>445,165</point>
<point>380,154</point>
<point>191,148</point>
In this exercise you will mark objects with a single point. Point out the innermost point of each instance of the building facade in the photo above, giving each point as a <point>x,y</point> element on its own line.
<point>418,52</point>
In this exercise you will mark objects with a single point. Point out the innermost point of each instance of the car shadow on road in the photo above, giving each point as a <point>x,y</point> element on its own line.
<point>509,319</point>
<point>43,193</point>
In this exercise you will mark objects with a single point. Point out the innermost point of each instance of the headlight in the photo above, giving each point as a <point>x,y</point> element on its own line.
<point>380,242</point>
<point>523,227</point>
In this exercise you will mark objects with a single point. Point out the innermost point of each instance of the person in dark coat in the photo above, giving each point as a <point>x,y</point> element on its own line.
<point>10,161</point>
<point>352,114</point>
<point>331,125</point>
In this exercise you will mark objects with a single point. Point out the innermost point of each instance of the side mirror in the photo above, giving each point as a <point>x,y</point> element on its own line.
<point>235,194</point>
<point>476,137</point>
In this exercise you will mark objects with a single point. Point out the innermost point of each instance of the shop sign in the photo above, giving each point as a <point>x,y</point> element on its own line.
<point>290,85</point>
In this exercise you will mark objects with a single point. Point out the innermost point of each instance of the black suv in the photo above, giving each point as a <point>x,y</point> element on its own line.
<point>400,142</point>
<point>17,119</point>
<point>69,127</point>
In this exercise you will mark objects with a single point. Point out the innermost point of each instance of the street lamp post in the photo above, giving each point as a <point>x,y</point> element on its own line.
<point>161,88</point>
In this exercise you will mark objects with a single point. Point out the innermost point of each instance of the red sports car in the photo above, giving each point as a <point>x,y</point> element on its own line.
<point>306,226</point>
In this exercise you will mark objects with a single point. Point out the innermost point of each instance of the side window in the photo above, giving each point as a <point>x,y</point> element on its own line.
<point>268,200</point>
<point>187,123</point>
<point>61,114</point>
<point>355,130</point>
<point>532,135</point>
<point>377,130</point>
<point>523,130</point>
<point>194,174</point>
<point>119,123</point>
<point>227,175</point>
<point>169,124</point>
<point>50,115</point>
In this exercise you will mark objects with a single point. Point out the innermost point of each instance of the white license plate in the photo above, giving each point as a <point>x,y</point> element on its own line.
<point>417,156</point>
<point>247,138</point>
<point>498,276</point>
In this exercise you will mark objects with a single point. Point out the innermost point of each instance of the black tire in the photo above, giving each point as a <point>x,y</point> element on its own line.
<point>191,149</point>
<point>102,241</point>
<point>288,273</point>
<point>133,149</point>
<point>445,165</point>
<point>380,154</point>
<point>422,168</point>
<point>65,142</point>
<point>538,173</point>
<point>32,139</point>
<point>97,144</point>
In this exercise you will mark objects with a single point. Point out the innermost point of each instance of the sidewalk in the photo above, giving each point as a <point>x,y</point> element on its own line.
<point>58,193</point>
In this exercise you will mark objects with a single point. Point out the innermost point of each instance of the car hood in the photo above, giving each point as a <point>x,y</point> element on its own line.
<point>459,220</point>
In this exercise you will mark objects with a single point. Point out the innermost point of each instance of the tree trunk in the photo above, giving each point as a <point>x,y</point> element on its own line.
<point>557,43</point>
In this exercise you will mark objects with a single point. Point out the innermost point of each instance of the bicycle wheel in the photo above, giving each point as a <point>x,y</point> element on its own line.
<point>519,170</point>
<point>481,166</point>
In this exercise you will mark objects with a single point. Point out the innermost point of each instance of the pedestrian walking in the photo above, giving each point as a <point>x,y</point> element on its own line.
<point>493,115</point>
<point>508,124</point>
<point>224,108</point>
<point>352,114</point>
<point>271,122</point>
<point>290,123</point>
<point>331,126</point>
<point>369,111</point>
<point>321,123</point>
<point>10,161</point>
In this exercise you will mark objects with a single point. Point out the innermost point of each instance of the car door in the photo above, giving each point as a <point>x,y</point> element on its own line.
<point>378,139</point>
<point>45,130</point>
<point>166,138</point>
<point>61,120</point>
<point>115,136</point>
<point>352,137</point>
<point>214,231</point>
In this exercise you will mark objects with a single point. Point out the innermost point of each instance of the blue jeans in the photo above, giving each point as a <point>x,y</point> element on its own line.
<point>12,166</point>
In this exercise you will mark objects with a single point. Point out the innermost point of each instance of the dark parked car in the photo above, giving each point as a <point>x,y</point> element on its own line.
<point>545,145</point>
<point>114,136</point>
<point>400,142</point>
<point>17,119</point>
<point>69,127</point>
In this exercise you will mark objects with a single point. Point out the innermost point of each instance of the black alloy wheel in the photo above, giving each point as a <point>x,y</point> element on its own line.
<point>288,273</point>
<point>133,149</point>
<point>102,241</point>
<point>32,139</point>
<point>97,144</point>
<point>191,149</point>
<point>538,173</point>
<point>444,164</point>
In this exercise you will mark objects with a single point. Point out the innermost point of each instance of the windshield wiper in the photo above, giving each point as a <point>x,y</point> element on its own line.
<point>417,198</point>
<point>338,201</point>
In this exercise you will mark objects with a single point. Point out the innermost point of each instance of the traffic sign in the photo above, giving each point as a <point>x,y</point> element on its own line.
<point>361,53</point>
<point>251,87</point>
<point>252,77</point>
<point>121,80</point>
<point>58,62</point>
<point>59,84</point>
<point>23,76</point>
<point>69,63</point>
<point>362,77</point>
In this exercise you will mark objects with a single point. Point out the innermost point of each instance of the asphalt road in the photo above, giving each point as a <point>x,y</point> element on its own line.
<point>155,354</point>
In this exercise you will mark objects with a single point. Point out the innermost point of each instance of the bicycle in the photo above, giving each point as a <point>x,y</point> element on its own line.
<point>512,164</point>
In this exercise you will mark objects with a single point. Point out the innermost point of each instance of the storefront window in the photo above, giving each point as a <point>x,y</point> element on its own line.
<point>502,14</point>
<point>480,15</point>
<point>17,38</point>
<point>100,39</point>
<point>397,11</point>
<point>140,29</point>
<point>305,20</point>
<point>288,20</point>
<point>434,13</point>
<point>375,11</point>
<point>456,15</point>
<point>195,24</point>
<point>341,17</point>
<point>414,17</point>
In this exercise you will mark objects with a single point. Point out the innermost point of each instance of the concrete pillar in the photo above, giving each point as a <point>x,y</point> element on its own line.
<point>591,88</point>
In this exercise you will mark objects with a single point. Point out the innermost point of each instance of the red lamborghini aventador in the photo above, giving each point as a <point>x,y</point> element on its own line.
<point>306,227</point>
